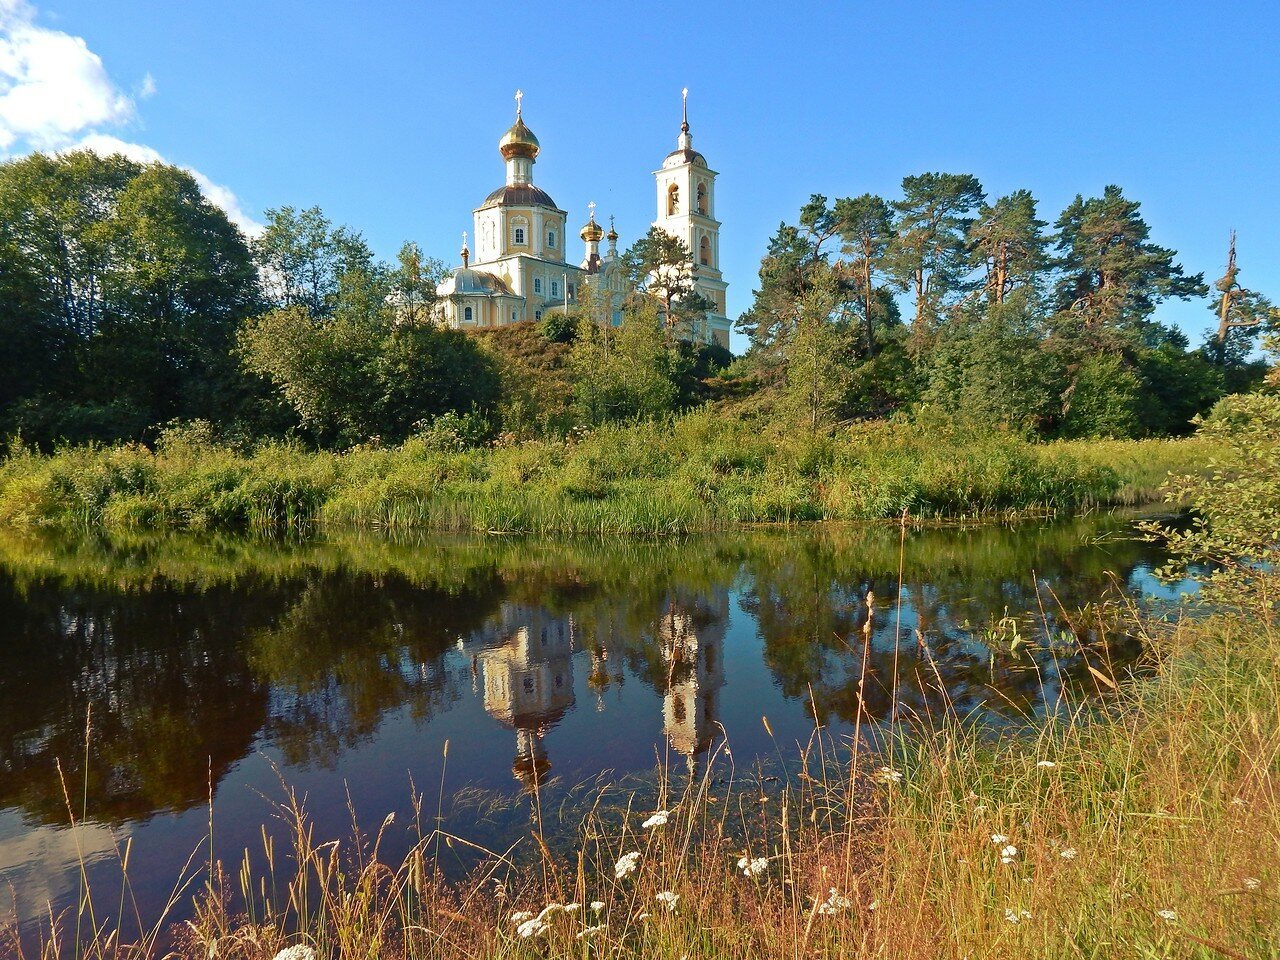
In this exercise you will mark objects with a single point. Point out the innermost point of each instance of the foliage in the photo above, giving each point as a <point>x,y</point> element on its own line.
<point>628,374</point>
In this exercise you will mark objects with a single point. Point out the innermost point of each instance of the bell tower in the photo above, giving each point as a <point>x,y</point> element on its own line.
<point>686,209</point>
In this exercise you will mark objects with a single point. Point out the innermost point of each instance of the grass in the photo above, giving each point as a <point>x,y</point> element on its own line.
<point>699,472</point>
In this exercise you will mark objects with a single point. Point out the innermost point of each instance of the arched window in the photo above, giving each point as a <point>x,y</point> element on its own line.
<point>551,239</point>
<point>702,198</point>
<point>519,237</point>
<point>704,252</point>
<point>537,284</point>
<point>555,288</point>
<point>673,200</point>
<point>466,314</point>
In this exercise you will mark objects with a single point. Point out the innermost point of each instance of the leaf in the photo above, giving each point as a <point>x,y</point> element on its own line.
<point>1099,675</point>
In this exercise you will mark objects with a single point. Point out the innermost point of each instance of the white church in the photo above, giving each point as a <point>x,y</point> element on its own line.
<point>522,271</point>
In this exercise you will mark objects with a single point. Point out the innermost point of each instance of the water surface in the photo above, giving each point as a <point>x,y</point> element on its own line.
<point>219,667</point>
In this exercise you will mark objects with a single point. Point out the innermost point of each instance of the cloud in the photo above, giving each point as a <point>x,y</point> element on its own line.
<point>55,95</point>
<point>52,86</point>
<point>220,196</point>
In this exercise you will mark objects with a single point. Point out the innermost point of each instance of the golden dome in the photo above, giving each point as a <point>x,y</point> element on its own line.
<point>519,141</point>
<point>592,232</point>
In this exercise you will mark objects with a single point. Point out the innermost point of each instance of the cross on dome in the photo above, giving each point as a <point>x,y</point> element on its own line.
<point>519,97</point>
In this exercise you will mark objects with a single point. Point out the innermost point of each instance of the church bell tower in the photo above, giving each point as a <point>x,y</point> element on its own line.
<point>686,209</point>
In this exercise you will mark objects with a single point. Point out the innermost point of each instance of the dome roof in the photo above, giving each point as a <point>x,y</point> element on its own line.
<point>466,281</point>
<point>519,141</point>
<point>678,158</point>
<point>519,195</point>
<point>592,232</point>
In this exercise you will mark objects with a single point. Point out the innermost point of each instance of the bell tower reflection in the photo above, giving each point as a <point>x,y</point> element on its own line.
<point>692,640</point>
<point>527,666</point>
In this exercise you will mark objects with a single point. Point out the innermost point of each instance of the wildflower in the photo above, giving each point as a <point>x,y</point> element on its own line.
<point>1008,853</point>
<point>626,865</point>
<point>1047,764</point>
<point>597,906</point>
<point>659,819</point>
<point>532,928</point>
<point>999,838</point>
<point>668,899</point>
<point>518,917</point>
<point>1016,916</point>
<point>1168,916</point>
<point>834,903</point>
<point>551,909</point>
<point>1252,883</point>
<point>299,951</point>
<point>1067,853</point>
<point>590,931</point>
<point>572,908</point>
<point>888,775</point>
<point>753,867</point>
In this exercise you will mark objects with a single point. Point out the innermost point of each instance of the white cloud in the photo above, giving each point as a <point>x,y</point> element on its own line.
<point>105,145</point>
<point>55,95</point>
<point>52,86</point>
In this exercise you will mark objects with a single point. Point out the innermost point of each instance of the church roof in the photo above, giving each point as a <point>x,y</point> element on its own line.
<point>519,195</point>
<point>473,282</point>
<point>678,158</point>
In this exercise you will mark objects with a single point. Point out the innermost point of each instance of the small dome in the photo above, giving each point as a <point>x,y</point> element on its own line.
<point>678,158</point>
<point>612,234</point>
<point>519,141</point>
<point>519,195</point>
<point>592,232</point>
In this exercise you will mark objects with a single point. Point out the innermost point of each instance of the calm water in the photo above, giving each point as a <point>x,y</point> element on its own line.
<point>343,665</point>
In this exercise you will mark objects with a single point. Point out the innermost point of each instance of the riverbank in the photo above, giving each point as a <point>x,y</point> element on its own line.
<point>695,473</point>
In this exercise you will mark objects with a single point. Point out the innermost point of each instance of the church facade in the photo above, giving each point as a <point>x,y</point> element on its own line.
<point>522,268</point>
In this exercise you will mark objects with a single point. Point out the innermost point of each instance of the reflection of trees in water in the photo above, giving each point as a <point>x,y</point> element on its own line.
<point>350,649</point>
<point>811,608</point>
<point>170,703</point>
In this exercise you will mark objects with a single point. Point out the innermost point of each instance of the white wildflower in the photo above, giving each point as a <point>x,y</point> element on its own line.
<point>590,931</point>
<point>659,819</point>
<point>572,908</point>
<point>1047,764</point>
<point>550,910</point>
<point>532,928</point>
<point>299,951</point>
<point>1252,883</point>
<point>626,865</point>
<point>888,775</point>
<point>753,867</point>
<point>834,903</point>
<point>1008,853</point>
<point>521,916</point>
<point>597,906</point>
<point>1168,916</point>
<point>1068,853</point>
<point>1016,916</point>
<point>668,899</point>
<point>999,838</point>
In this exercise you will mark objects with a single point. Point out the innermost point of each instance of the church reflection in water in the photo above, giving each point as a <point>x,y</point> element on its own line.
<point>692,642</point>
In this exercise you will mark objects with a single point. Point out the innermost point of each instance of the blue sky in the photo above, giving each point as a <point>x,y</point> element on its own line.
<point>387,114</point>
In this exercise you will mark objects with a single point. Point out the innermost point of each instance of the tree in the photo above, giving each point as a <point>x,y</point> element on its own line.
<point>1112,275</point>
<point>636,377</point>
<point>1008,242</point>
<point>818,368</point>
<point>1242,314</point>
<point>928,254</point>
<point>303,257</point>
<point>660,266</point>
<point>413,282</point>
<point>866,231</point>
<point>785,273</point>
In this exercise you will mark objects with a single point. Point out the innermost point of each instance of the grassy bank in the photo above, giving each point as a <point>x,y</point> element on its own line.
<point>696,473</point>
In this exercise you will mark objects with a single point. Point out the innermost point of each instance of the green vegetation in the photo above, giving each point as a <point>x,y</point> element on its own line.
<point>698,472</point>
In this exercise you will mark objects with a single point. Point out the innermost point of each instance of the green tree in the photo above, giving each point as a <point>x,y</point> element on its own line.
<point>785,272</point>
<point>413,282</point>
<point>1242,316</point>
<point>302,257</point>
<point>660,266</point>
<point>1113,276</point>
<point>635,376</point>
<point>1103,399</point>
<point>1008,242</point>
<point>818,368</point>
<point>928,255</point>
<point>866,230</point>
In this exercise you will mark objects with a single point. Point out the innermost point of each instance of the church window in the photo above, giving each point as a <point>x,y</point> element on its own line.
<point>555,288</point>
<point>537,315</point>
<point>704,252</point>
<point>537,284</point>
<point>519,235</point>
<point>673,200</point>
<point>513,316</point>
<point>551,238</point>
<point>466,314</point>
<point>527,684</point>
<point>571,293</point>
<point>702,198</point>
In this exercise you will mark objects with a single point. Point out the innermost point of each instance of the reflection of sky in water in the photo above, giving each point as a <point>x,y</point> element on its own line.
<point>551,669</point>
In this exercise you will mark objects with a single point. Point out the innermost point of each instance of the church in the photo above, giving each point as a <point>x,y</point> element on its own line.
<point>522,268</point>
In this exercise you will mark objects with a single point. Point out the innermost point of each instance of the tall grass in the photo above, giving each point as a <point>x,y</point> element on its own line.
<point>696,473</point>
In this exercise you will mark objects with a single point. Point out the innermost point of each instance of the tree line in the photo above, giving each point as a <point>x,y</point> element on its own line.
<point>128,301</point>
<point>1009,322</point>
